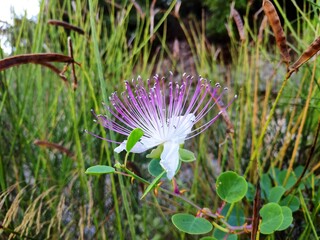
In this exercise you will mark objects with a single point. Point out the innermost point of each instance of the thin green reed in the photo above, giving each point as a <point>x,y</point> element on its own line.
<point>39,31</point>
<point>92,10</point>
<point>310,219</point>
<point>3,179</point>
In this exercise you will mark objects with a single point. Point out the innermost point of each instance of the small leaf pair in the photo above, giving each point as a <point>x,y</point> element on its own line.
<point>275,218</point>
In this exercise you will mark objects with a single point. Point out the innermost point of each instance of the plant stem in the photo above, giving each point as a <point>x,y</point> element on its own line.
<point>230,227</point>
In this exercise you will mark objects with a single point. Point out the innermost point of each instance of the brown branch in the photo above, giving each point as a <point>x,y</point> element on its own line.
<point>44,143</point>
<point>239,23</point>
<point>277,29</point>
<point>66,25</point>
<point>305,56</point>
<point>256,209</point>
<point>73,71</point>
<point>55,69</point>
<point>37,58</point>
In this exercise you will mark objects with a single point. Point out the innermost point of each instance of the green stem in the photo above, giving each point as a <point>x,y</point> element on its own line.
<point>220,228</point>
<point>132,174</point>
<point>126,159</point>
<point>166,191</point>
<point>135,176</point>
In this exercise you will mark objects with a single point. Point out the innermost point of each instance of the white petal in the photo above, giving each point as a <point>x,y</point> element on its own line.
<point>149,142</point>
<point>183,125</point>
<point>121,147</point>
<point>143,145</point>
<point>170,158</point>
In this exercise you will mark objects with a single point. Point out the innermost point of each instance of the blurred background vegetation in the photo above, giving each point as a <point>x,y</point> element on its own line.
<point>44,191</point>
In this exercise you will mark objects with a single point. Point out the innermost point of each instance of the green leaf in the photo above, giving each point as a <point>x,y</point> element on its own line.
<point>272,218</point>
<point>190,224</point>
<point>155,168</point>
<point>231,187</point>
<point>251,192</point>
<point>236,216</point>
<point>266,185</point>
<point>99,169</point>
<point>186,155</point>
<point>298,170</point>
<point>133,138</point>
<point>155,153</point>
<point>276,194</point>
<point>308,182</point>
<point>291,201</point>
<point>274,174</point>
<point>152,184</point>
<point>287,218</point>
<point>208,238</point>
<point>291,180</point>
<point>218,234</point>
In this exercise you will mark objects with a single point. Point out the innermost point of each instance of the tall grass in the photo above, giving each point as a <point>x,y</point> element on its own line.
<point>45,193</point>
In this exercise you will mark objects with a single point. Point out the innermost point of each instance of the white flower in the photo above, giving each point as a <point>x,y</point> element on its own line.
<point>166,112</point>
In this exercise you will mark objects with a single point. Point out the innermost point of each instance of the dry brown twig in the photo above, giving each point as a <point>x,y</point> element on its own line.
<point>44,59</point>
<point>73,71</point>
<point>313,48</point>
<point>66,25</point>
<point>256,209</point>
<point>46,144</point>
<point>239,23</point>
<point>275,24</point>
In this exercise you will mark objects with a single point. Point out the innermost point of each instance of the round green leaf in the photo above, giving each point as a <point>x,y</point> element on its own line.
<point>272,218</point>
<point>291,201</point>
<point>186,155</point>
<point>191,224</point>
<point>133,138</point>
<point>218,234</point>
<point>208,238</point>
<point>287,218</point>
<point>276,194</point>
<point>155,168</point>
<point>99,169</point>
<point>231,187</point>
